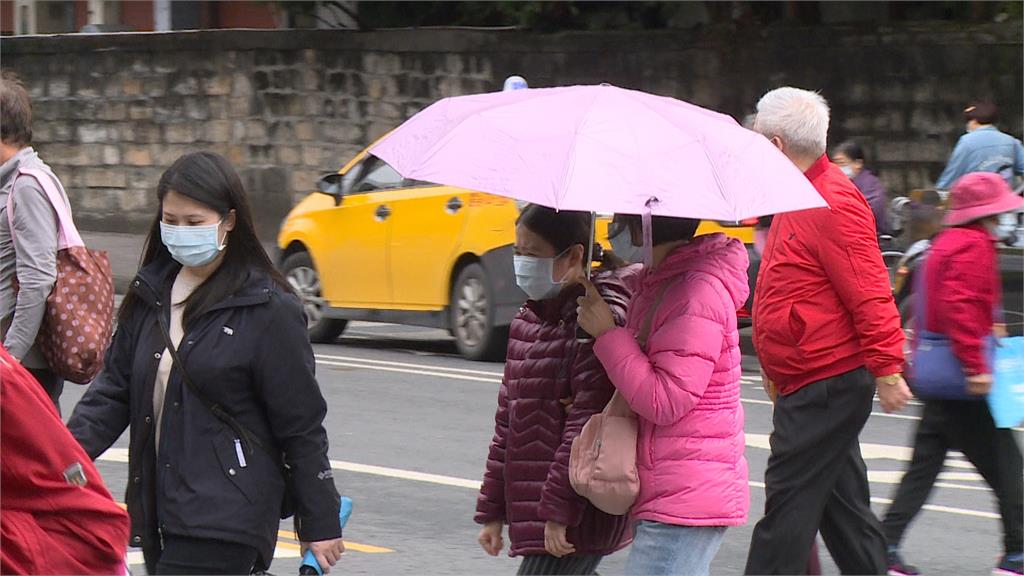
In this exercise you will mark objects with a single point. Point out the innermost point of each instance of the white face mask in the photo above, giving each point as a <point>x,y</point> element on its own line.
<point>193,246</point>
<point>848,170</point>
<point>622,246</point>
<point>535,276</point>
<point>993,227</point>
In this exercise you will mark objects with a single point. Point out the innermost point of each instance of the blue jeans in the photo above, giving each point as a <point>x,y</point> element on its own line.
<point>666,549</point>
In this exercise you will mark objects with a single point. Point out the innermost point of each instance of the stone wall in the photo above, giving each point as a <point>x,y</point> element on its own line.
<point>113,111</point>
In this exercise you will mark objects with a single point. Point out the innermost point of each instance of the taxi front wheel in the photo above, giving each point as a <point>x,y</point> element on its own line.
<point>305,281</point>
<point>472,316</point>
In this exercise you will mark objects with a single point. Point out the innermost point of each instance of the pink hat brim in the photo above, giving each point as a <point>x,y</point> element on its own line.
<point>1008,203</point>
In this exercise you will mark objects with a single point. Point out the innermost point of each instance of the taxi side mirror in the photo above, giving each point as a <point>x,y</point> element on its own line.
<point>331,184</point>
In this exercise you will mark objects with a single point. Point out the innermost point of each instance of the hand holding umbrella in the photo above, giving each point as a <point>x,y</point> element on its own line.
<point>593,313</point>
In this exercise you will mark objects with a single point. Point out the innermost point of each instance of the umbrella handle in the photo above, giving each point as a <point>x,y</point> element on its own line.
<point>582,336</point>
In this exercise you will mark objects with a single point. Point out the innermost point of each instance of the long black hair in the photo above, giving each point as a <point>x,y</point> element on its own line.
<point>209,179</point>
<point>565,229</point>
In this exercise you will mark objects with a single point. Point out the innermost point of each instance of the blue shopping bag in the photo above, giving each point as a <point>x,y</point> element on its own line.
<point>1006,400</point>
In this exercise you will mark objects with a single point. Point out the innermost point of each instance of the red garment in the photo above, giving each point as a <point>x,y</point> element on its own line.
<point>963,292</point>
<point>526,483</point>
<point>48,525</point>
<point>823,305</point>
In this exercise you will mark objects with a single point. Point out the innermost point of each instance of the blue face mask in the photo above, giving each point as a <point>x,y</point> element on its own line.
<point>192,246</point>
<point>534,276</point>
<point>622,246</point>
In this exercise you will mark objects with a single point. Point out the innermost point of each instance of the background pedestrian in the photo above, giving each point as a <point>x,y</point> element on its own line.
<point>849,156</point>
<point>984,148</point>
<point>963,286</point>
<point>29,251</point>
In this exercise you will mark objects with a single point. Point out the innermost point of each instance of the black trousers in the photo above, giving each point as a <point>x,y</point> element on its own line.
<point>52,384</point>
<point>544,565</point>
<point>967,426</point>
<point>183,555</point>
<point>816,480</point>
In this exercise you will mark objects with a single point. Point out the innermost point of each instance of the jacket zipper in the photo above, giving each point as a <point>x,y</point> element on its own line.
<point>240,453</point>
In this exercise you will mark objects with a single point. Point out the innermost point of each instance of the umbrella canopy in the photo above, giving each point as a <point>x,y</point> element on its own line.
<point>599,148</point>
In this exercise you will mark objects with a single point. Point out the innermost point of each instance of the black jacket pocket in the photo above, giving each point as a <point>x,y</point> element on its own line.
<point>236,465</point>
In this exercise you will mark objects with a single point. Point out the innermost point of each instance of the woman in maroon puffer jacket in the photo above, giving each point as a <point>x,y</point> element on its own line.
<point>553,384</point>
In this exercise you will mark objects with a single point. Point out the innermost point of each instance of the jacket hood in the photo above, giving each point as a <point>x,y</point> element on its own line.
<point>716,254</point>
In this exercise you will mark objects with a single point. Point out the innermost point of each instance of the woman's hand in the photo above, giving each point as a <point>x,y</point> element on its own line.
<point>567,403</point>
<point>999,331</point>
<point>555,541</point>
<point>979,385</point>
<point>593,314</point>
<point>490,537</point>
<point>327,552</point>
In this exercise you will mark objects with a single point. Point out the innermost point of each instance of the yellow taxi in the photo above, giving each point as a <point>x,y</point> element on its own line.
<point>371,245</point>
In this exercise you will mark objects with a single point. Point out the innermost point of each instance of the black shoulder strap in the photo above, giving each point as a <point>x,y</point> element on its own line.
<point>244,435</point>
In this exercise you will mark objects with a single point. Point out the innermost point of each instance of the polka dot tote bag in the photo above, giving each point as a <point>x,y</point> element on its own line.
<point>80,311</point>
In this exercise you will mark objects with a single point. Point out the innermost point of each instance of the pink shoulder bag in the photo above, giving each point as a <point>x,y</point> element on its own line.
<point>80,310</point>
<point>602,463</point>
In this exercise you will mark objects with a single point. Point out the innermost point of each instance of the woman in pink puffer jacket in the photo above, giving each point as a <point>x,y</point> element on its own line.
<point>685,389</point>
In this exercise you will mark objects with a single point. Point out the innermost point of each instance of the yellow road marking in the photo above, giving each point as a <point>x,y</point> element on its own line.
<point>355,546</point>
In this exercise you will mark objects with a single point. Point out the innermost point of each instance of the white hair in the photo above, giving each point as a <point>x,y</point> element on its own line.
<point>798,117</point>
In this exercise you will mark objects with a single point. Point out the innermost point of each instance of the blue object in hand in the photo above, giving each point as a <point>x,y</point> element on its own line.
<point>309,564</point>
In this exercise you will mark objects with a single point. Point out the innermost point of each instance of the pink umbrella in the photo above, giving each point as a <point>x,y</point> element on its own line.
<point>599,148</point>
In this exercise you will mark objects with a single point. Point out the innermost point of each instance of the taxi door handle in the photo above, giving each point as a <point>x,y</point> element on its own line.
<point>382,213</point>
<point>453,205</point>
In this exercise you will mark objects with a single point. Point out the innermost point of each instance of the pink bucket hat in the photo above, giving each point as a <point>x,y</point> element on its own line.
<point>979,195</point>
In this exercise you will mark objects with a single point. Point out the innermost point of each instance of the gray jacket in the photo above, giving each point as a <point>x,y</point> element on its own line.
<point>31,256</point>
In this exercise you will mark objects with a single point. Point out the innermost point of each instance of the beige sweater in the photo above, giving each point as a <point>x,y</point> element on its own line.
<point>184,285</point>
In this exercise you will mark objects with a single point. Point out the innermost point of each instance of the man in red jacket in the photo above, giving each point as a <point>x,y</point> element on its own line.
<point>56,516</point>
<point>827,333</point>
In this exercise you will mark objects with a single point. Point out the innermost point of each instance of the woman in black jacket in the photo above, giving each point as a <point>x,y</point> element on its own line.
<point>212,430</point>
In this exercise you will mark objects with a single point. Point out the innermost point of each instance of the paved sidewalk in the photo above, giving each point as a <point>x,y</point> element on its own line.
<point>124,250</point>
